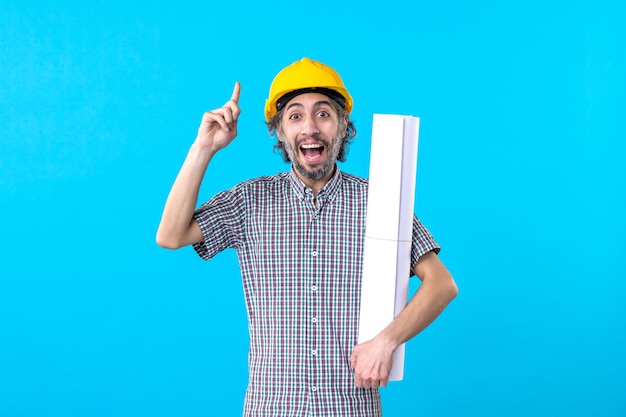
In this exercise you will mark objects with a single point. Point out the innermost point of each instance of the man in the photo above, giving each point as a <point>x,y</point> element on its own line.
<point>299,238</point>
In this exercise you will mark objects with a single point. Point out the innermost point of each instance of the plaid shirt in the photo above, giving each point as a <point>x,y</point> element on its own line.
<point>301,271</point>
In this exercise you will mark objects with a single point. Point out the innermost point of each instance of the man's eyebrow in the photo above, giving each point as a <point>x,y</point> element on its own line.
<point>293,105</point>
<point>321,103</point>
<point>317,104</point>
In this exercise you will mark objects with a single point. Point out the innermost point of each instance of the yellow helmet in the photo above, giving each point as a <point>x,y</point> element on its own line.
<point>306,75</point>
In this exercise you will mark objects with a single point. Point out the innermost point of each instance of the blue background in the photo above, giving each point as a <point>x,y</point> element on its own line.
<point>521,179</point>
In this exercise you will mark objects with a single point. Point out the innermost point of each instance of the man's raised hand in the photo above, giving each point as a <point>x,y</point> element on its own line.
<point>219,126</point>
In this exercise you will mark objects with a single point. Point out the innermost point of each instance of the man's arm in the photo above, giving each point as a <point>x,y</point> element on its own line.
<point>218,128</point>
<point>372,360</point>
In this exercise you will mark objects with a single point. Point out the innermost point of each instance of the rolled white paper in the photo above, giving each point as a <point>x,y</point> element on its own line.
<point>388,227</point>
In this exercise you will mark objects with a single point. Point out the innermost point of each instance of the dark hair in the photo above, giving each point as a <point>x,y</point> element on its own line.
<point>274,126</point>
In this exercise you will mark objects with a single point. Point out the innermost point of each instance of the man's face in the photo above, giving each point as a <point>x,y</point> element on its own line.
<point>309,132</point>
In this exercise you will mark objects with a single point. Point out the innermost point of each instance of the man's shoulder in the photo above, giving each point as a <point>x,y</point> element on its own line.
<point>354,180</point>
<point>263,182</point>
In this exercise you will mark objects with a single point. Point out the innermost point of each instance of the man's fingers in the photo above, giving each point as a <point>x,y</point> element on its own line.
<point>226,112</point>
<point>370,371</point>
<point>218,116</point>
<point>366,383</point>
<point>236,92</point>
<point>233,104</point>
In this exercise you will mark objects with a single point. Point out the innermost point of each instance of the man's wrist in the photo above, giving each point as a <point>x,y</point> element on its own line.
<point>388,340</point>
<point>201,151</point>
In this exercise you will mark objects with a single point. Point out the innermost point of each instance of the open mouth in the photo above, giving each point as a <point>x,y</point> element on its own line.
<point>312,152</point>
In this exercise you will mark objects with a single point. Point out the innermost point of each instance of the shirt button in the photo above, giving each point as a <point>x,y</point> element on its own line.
<point>313,388</point>
<point>314,319</point>
<point>314,352</point>
<point>314,253</point>
<point>313,287</point>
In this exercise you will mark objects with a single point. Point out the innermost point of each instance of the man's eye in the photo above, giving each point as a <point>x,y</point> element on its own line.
<point>323,113</point>
<point>294,116</point>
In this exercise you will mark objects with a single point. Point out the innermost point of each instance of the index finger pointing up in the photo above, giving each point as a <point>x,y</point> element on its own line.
<point>236,91</point>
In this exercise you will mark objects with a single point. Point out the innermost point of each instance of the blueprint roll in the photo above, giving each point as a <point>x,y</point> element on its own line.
<point>388,228</point>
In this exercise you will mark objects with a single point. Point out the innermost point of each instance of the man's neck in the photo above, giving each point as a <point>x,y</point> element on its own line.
<point>315,185</point>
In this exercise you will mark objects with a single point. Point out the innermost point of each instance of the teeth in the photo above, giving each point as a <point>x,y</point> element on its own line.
<point>311,146</point>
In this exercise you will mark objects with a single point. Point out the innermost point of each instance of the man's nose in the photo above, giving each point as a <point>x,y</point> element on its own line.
<point>309,127</point>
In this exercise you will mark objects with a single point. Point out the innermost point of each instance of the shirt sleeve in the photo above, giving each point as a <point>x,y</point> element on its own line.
<point>423,242</point>
<point>222,222</point>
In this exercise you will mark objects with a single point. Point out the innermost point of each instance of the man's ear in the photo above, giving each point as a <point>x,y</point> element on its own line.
<point>279,134</point>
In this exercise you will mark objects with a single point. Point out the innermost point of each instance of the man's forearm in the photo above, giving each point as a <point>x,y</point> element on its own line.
<point>434,294</point>
<point>174,228</point>
<point>425,306</point>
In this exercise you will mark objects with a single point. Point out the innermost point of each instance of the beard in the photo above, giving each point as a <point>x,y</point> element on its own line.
<point>321,171</point>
